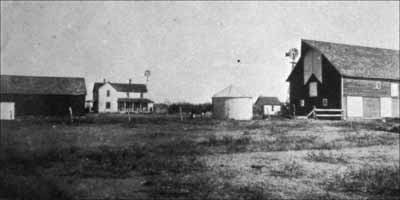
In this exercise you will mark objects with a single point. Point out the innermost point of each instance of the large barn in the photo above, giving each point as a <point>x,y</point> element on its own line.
<point>39,95</point>
<point>363,82</point>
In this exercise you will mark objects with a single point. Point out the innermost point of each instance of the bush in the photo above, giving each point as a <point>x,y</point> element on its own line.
<point>190,108</point>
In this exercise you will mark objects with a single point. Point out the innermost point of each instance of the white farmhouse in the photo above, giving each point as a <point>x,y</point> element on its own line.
<point>120,97</point>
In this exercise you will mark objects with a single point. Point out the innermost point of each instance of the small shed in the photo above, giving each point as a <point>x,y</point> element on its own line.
<point>232,103</point>
<point>268,105</point>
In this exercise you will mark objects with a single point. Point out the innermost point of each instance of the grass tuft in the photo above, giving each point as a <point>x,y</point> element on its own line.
<point>289,169</point>
<point>321,156</point>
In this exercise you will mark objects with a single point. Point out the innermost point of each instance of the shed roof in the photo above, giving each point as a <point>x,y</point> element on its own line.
<point>262,100</point>
<point>231,91</point>
<point>12,84</point>
<point>360,61</point>
<point>123,87</point>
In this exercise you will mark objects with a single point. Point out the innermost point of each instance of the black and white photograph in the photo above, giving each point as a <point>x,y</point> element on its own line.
<point>202,100</point>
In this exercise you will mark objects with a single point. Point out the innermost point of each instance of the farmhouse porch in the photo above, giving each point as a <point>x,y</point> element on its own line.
<point>135,105</point>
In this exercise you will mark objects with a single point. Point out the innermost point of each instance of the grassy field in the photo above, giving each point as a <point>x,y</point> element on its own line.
<point>160,157</point>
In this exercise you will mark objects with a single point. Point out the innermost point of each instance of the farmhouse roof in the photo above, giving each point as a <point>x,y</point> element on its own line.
<point>123,87</point>
<point>231,91</point>
<point>12,84</point>
<point>268,101</point>
<point>359,61</point>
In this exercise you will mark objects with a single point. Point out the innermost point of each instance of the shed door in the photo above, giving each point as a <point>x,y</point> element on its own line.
<point>267,109</point>
<point>386,107</point>
<point>354,106</point>
<point>7,110</point>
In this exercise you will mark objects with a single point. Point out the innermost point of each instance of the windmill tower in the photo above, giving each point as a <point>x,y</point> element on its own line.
<point>147,74</point>
<point>292,54</point>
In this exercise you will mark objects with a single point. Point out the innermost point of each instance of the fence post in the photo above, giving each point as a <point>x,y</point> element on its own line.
<point>314,114</point>
<point>70,115</point>
<point>294,110</point>
<point>180,113</point>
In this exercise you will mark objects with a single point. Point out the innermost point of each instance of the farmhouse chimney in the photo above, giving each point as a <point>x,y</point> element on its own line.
<point>104,80</point>
<point>130,81</point>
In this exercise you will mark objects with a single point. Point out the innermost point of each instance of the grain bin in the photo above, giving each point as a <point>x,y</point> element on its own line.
<point>232,103</point>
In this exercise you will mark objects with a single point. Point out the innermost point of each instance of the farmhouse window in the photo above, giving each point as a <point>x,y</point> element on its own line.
<point>108,93</point>
<point>378,85</point>
<point>394,87</point>
<point>108,105</point>
<point>302,102</point>
<point>313,89</point>
<point>325,102</point>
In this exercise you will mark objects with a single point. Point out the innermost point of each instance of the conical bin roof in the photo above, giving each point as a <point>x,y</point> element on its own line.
<point>231,91</point>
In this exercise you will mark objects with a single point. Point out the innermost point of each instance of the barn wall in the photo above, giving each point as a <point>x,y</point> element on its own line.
<point>329,88</point>
<point>47,105</point>
<point>371,96</point>
<point>365,88</point>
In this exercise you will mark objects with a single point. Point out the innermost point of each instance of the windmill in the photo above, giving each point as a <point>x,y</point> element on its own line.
<point>292,54</point>
<point>147,74</point>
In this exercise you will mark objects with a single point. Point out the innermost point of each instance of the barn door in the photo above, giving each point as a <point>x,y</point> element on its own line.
<point>386,107</point>
<point>354,106</point>
<point>371,107</point>
<point>7,110</point>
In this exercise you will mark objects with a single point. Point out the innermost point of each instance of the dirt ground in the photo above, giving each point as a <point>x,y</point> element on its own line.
<point>161,157</point>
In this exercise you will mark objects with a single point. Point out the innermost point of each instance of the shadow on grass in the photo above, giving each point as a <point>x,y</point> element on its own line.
<point>379,181</point>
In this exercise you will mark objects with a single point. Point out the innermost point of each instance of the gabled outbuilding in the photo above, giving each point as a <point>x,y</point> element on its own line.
<point>268,105</point>
<point>40,95</point>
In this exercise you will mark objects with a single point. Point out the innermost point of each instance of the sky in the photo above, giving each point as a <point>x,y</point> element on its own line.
<point>191,48</point>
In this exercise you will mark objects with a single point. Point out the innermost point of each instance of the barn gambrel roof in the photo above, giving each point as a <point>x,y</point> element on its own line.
<point>123,87</point>
<point>359,61</point>
<point>12,84</point>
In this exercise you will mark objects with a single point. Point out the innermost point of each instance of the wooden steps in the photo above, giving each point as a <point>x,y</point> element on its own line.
<point>318,113</point>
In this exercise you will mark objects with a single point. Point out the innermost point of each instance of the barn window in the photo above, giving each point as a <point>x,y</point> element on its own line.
<point>313,89</point>
<point>394,87</point>
<point>325,102</point>
<point>302,102</point>
<point>108,93</point>
<point>378,85</point>
<point>108,105</point>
